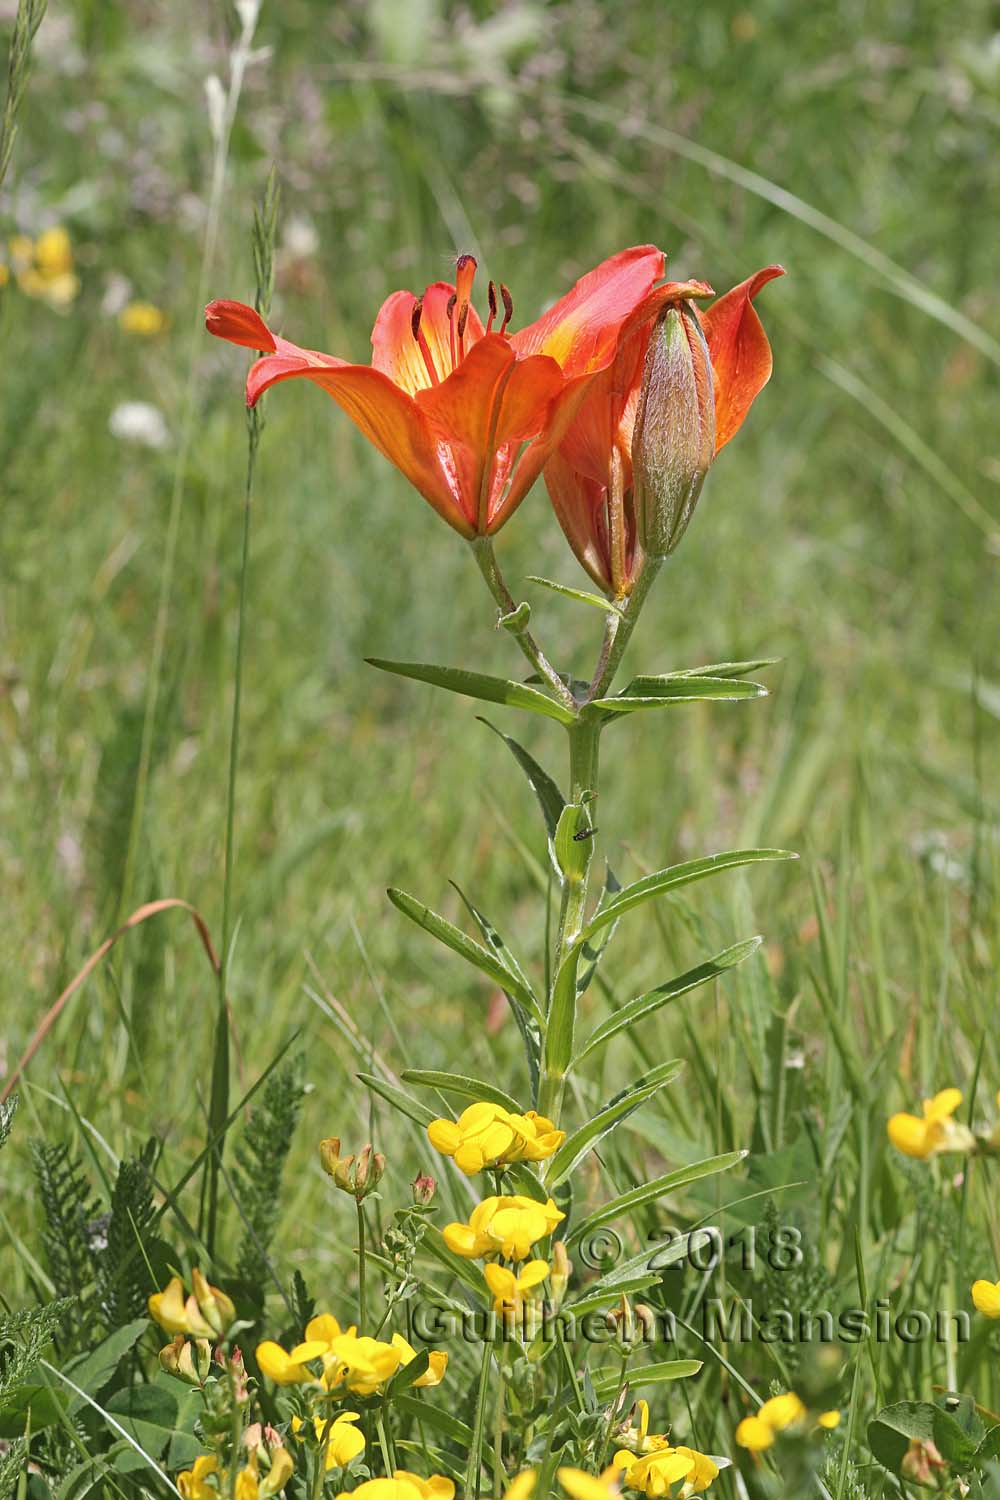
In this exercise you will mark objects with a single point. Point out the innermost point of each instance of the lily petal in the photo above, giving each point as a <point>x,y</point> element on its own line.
<point>580,330</point>
<point>741,354</point>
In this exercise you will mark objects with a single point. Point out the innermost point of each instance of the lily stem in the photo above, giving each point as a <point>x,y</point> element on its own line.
<point>619,627</point>
<point>482,551</point>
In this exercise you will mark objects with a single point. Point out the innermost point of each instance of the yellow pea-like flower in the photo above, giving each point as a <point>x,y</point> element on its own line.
<point>207,1313</point>
<point>403,1486</point>
<point>278,1366</point>
<point>933,1132</point>
<point>487,1135</point>
<point>759,1431</point>
<point>580,1485</point>
<point>829,1419</point>
<point>509,1290</point>
<point>505,1227</point>
<point>193,1483</point>
<point>436,1367</point>
<point>343,1441</point>
<point>986,1297</point>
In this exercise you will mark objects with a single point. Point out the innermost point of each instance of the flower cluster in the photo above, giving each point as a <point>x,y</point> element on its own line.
<point>342,1357</point>
<point>506,1227</point>
<point>649,1463</point>
<point>42,268</point>
<point>487,1135</point>
<point>207,1313</point>
<point>268,1468</point>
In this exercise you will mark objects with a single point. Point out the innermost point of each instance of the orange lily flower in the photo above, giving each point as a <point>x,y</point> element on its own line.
<point>590,479</point>
<point>468,413</point>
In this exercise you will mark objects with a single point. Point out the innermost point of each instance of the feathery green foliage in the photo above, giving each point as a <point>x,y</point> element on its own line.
<point>261,1153</point>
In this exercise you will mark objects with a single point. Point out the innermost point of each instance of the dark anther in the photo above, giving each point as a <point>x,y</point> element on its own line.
<point>508,306</point>
<point>463,318</point>
<point>451,305</point>
<point>491,295</point>
<point>415,315</point>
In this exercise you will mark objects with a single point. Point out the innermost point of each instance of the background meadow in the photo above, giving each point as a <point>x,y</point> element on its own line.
<point>853,530</point>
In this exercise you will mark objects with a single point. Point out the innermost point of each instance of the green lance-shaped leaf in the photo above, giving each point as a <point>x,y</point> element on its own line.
<point>662,881</point>
<point>495,943</point>
<point>527,1022</point>
<point>629,1286</point>
<point>562,1011</point>
<point>606,1385</point>
<point>441,1421</point>
<point>646,1005</point>
<point>550,798</point>
<point>650,1192</point>
<point>664,692</point>
<point>576,1146</point>
<point>478,685</point>
<point>453,938</point>
<point>416,1111</point>
<point>458,1083</point>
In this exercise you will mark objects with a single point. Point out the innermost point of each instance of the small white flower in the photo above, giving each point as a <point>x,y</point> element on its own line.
<point>139,422</point>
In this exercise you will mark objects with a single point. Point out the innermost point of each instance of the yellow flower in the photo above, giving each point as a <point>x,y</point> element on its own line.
<point>45,268</point>
<point>986,1296</point>
<point>657,1472</point>
<point>759,1432</point>
<point>933,1132</point>
<point>522,1486</point>
<point>438,1361</point>
<point>487,1135</point>
<point>343,1442</point>
<point>53,252</point>
<point>247,1487</point>
<point>508,1290</point>
<point>207,1313</point>
<point>583,1486</point>
<point>142,318</point>
<point>503,1226</point>
<point>829,1420</point>
<point>402,1486</point>
<point>363,1364</point>
<point>192,1483</point>
<point>280,1367</point>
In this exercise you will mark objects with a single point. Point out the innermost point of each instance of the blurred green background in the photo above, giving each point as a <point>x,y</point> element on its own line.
<point>848,530</point>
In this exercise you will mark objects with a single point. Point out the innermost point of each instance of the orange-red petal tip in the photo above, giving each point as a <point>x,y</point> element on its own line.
<point>238,324</point>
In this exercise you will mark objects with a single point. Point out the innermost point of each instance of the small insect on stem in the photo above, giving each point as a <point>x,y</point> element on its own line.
<point>583,834</point>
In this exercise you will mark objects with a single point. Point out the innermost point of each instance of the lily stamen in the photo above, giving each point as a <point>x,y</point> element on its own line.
<point>421,341</point>
<point>491,294</point>
<point>508,307</point>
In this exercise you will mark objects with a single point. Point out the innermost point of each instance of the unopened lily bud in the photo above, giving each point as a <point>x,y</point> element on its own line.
<point>189,1362</point>
<point>423,1187</point>
<point>674,440</point>
<point>215,1307</point>
<point>560,1270</point>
